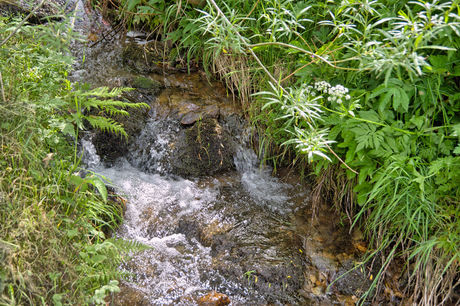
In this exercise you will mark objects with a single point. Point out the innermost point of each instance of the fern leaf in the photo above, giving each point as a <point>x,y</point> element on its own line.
<point>126,246</point>
<point>107,125</point>
<point>104,92</point>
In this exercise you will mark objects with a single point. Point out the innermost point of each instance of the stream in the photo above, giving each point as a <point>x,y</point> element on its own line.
<point>220,228</point>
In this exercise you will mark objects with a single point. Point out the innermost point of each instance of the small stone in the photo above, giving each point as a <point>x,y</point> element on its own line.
<point>185,106</point>
<point>211,111</point>
<point>214,299</point>
<point>357,235</point>
<point>190,118</point>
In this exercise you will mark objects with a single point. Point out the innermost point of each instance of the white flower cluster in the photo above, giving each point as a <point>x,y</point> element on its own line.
<point>322,86</point>
<point>338,93</point>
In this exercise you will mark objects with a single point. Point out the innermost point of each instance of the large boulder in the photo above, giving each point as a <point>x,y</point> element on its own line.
<point>204,149</point>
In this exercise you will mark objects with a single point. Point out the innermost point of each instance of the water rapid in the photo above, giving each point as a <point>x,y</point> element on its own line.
<point>206,233</point>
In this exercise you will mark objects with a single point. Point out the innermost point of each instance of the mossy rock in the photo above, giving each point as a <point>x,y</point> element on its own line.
<point>142,82</point>
<point>109,146</point>
<point>142,58</point>
<point>204,149</point>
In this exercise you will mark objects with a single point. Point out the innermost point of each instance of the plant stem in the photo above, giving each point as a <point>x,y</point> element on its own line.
<point>344,163</point>
<point>312,54</point>
<point>1,85</point>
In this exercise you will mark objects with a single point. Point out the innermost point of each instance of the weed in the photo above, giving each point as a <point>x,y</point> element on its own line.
<point>53,244</point>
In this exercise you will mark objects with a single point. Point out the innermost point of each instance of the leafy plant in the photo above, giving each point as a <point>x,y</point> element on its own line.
<point>390,127</point>
<point>45,221</point>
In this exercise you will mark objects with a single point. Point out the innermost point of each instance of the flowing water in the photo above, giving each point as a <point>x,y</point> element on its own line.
<point>242,232</point>
<point>210,233</point>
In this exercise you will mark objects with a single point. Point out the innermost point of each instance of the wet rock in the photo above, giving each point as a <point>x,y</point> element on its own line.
<point>190,118</point>
<point>203,149</point>
<point>143,82</point>
<point>211,111</point>
<point>191,113</point>
<point>258,253</point>
<point>110,146</point>
<point>129,296</point>
<point>143,57</point>
<point>190,229</point>
<point>351,282</point>
<point>208,233</point>
<point>214,299</point>
<point>234,124</point>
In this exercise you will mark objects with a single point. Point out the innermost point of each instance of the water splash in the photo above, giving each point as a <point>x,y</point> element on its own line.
<point>157,202</point>
<point>151,149</point>
<point>90,157</point>
<point>259,183</point>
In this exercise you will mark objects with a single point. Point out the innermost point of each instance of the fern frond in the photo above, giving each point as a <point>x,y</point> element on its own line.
<point>104,92</point>
<point>126,246</point>
<point>111,110</point>
<point>112,104</point>
<point>107,125</point>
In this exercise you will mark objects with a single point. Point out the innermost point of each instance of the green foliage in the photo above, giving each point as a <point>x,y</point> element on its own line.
<point>393,126</point>
<point>83,102</point>
<point>54,222</point>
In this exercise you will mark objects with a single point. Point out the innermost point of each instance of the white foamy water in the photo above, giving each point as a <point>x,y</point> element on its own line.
<point>155,201</point>
<point>169,214</point>
<point>265,189</point>
<point>150,149</point>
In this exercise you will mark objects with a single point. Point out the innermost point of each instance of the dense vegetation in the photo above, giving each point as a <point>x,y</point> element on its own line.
<point>54,218</point>
<point>365,92</point>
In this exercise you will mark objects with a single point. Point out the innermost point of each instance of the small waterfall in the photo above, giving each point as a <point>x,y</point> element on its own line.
<point>150,150</point>
<point>196,227</point>
<point>259,182</point>
<point>90,157</point>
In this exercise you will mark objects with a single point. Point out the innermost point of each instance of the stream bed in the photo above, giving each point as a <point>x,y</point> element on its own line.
<point>220,228</point>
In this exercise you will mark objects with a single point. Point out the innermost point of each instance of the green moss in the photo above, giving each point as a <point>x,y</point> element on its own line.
<point>146,83</point>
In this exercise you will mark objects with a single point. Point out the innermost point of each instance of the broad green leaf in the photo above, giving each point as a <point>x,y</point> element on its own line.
<point>131,4</point>
<point>98,258</point>
<point>100,186</point>
<point>79,182</point>
<point>457,150</point>
<point>418,121</point>
<point>400,98</point>
<point>370,115</point>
